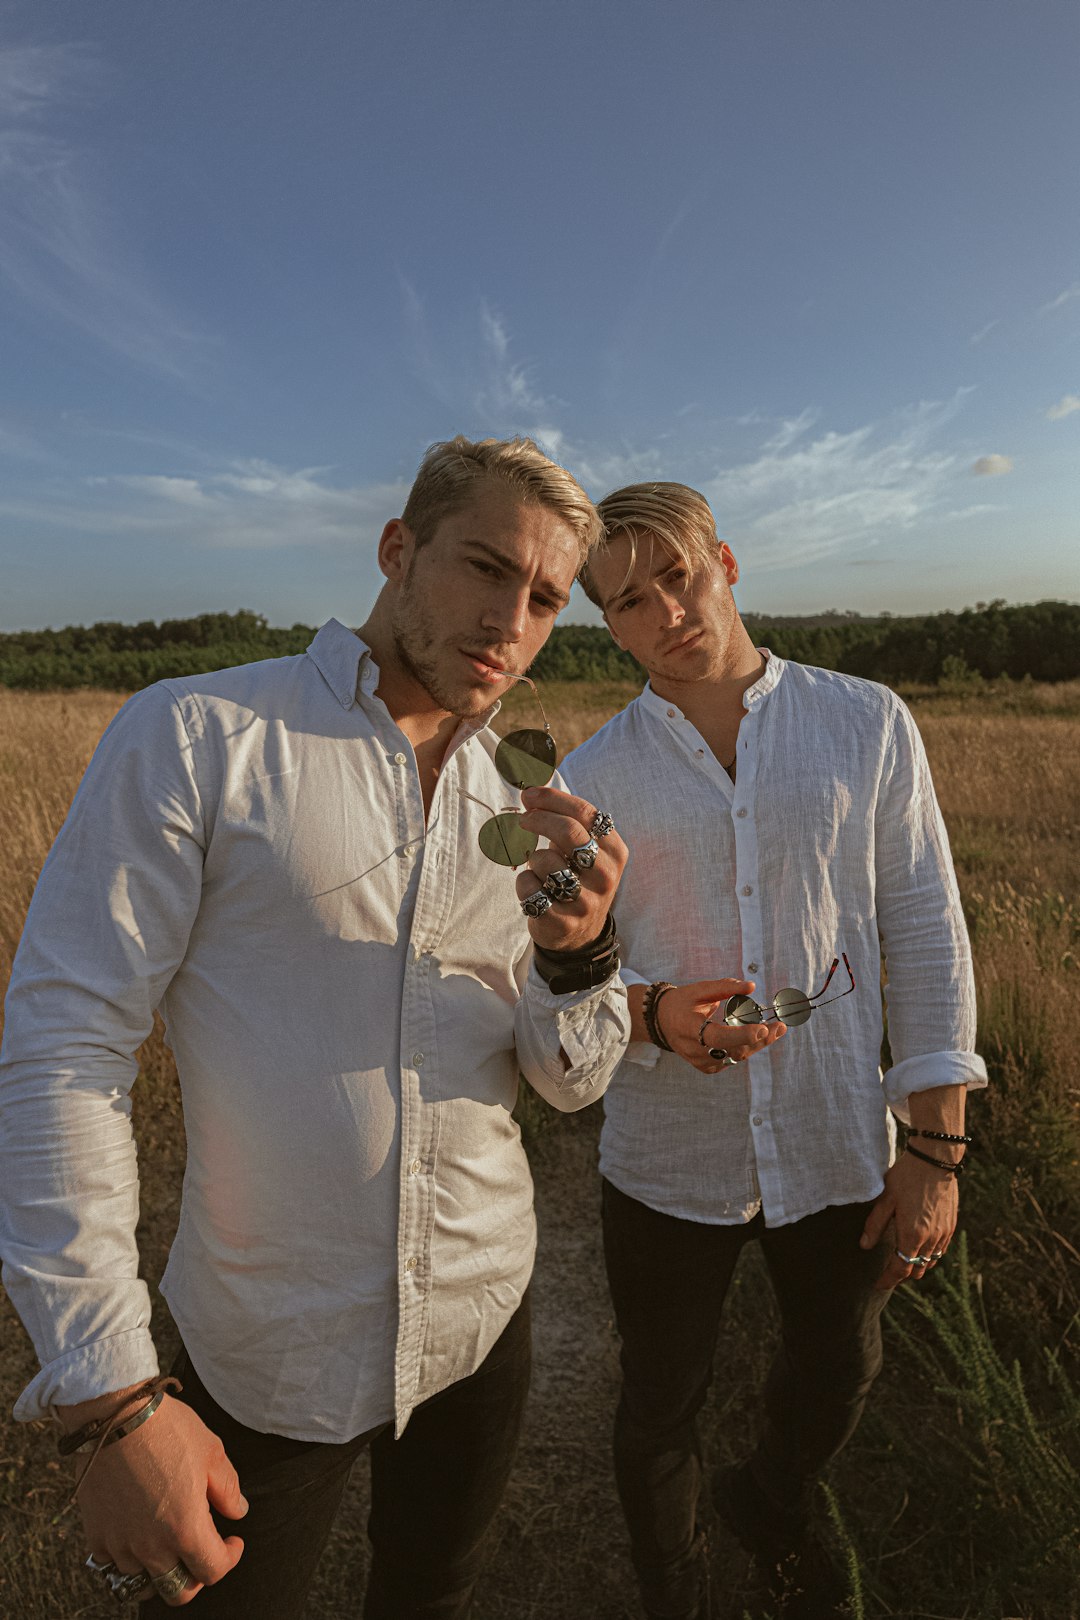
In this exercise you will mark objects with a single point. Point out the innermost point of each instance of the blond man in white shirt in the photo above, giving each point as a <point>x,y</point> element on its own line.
<point>284,858</point>
<point>782,826</point>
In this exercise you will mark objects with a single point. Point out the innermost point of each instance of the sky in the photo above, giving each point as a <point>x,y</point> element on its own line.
<point>819,259</point>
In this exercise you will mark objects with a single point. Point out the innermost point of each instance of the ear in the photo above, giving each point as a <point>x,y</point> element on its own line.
<point>728,563</point>
<point>397,543</point>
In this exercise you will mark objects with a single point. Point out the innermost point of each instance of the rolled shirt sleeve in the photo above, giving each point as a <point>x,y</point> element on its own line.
<point>591,1026</point>
<point>107,928</point>
<point>930,992</point>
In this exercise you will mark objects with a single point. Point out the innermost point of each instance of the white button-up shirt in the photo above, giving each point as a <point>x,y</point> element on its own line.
<point>349,997</point>
<point>829,840</point>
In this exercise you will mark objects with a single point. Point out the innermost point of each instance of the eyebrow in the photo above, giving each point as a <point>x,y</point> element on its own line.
<point>631,588</point>
<point>514,567</point>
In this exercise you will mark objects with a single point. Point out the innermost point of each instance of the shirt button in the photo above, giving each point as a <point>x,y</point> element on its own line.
<point>411,1263</point>
<point>399,759</point>
<point>418,1059</point>
<point>741,811</point>
<point>757,1119</point>
<point>700,753</point>
<point>671,714</point>
<point>407,850</point>
<point>416,1167</point>
<point>751,967</point>
<point>748,888</point>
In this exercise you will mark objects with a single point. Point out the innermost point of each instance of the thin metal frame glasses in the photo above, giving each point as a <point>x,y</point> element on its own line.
<point>791,1007</point>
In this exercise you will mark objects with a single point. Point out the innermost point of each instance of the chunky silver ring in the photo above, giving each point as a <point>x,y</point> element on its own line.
<point>938,1254</point>
<point>173,1582</point>
<point>97,1567</point>
<point>534,905</point>
<point>910,1259</point>
<point>126,1587</point>
<point>725,1059</point>
<point>584,856</point>
<point>563,884</point>
<point>602,825</point>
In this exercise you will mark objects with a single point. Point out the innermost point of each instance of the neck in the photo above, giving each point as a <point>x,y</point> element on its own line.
<point>713,702</point>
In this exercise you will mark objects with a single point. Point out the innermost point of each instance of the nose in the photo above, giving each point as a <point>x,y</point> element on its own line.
<point>669,606</point>
<point>507,615</point>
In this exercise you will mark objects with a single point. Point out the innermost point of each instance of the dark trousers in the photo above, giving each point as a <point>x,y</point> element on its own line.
<point>434,1494</point>
<point>668,1281</point>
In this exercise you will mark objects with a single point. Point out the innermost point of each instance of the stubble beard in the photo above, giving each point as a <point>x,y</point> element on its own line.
<point>413,630</point>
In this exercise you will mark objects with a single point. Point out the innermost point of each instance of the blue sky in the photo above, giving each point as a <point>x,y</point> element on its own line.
<point>819,259</point>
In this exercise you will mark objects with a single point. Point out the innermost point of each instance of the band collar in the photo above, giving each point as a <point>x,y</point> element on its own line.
<point>664,709</point>
<point>347,665</point>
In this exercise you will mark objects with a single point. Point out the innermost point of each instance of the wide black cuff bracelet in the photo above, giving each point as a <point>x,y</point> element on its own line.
<point>583,967</point>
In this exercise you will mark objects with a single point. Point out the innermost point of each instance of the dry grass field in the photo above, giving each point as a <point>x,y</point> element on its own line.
<point>959,1495</point>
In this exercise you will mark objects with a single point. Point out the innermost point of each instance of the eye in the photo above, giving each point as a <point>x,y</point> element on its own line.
<point>627,603</point>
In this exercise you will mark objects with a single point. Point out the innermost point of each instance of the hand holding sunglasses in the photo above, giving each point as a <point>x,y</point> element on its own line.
<point>793,1007</point>
<point>566,892</point>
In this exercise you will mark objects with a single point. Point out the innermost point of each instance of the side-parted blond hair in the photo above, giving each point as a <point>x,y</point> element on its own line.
<point>675,514</point>
<point>452,469</point>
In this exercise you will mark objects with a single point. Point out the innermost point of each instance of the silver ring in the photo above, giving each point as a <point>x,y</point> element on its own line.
<point>938,1254</point>
<point>97,1567</point>
<point>126,1587</point>
<point>584,856</point>
<point>173,1582</point>
<point>725,1059</point>
<point>563,884</point>
<point>534,905</point>
<point>602,825</point>
<point>910,1259</point>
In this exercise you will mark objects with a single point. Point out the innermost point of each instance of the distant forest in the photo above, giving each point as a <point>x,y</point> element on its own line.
<point>1040,641</point>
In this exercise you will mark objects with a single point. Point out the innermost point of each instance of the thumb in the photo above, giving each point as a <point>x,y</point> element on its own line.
<point>877,1220</point>
<point>223,1490</point>
<point>710,990</point>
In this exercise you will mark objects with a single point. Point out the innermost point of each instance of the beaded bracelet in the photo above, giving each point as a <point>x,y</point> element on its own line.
<point>942,1164</point>
<point>943,1136</point>
<point>652,999</point>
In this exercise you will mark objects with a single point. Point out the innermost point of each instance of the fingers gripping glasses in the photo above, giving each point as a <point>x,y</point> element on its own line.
<point>523,758</point>
<point>791,1007</point>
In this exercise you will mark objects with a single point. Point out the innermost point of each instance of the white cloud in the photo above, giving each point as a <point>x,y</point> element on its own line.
<point>1064,407</point>
<point>1062,298</point>
<point>984,332</point>
<point>992,466</point>
<point>57,246</point>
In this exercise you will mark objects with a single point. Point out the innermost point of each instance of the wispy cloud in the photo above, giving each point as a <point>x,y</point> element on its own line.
<point>57,246</point>
<point>251,505</point>
<point>1064,407</point>
<point>983,333</point>
<point>992,466</point>
<point>1062,298</point>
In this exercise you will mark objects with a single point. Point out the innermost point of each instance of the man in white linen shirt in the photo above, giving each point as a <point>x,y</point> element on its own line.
<point>778,817</point>
<point>284,858</point>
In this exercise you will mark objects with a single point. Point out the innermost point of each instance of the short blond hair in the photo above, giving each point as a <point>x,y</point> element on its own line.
<point>452,469</point>
<point>674,514</point>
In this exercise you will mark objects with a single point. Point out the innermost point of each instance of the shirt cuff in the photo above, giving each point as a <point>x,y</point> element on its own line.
<point>928,1070</point>
<point>97,1369</point>
<point>590,1026</point>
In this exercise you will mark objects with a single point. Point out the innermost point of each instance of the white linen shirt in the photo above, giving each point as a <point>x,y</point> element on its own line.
<point>348,994</point>
<point>829,840</point>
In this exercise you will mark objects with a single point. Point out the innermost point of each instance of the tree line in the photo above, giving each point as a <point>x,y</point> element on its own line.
<point>1039,640</point>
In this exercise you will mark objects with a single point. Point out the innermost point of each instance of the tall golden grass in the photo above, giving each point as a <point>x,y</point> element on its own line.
<point>939,1507</point>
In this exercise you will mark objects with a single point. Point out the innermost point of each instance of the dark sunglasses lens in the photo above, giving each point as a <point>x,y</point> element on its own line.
<point>742,1010</point>
<point>505,840</point>
<point>792,1006</point>
<point>526,758</point>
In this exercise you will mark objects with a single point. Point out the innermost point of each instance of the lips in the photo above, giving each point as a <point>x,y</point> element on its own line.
<point>488,668</point>
<point>687,642</point>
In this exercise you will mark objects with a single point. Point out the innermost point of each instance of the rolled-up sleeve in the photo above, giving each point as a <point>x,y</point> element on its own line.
<point>106,930</point>
<point>930,992</point>
<point>591,1027</point>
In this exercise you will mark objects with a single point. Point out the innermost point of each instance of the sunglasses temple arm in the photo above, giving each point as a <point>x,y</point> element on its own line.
<point>531,684</point>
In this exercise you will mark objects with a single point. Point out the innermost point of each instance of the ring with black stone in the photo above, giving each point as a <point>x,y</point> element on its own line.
<point>584,856</point>
<point>718,1055</point>
<point>563,884</point>
<point>534,905</point>
<point>602,825</point>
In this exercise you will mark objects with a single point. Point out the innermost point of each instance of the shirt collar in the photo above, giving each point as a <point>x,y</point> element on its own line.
<point>337,653</point>
<point>665,709</point>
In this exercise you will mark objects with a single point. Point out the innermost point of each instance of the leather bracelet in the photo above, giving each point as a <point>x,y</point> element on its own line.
<point>581,975</point>
<point>942,1136</point>
<point>653,996</point>
<point>606,940</point>
<point>942,1164</point>
<point>98,1431</point>
<point>128,1426</point>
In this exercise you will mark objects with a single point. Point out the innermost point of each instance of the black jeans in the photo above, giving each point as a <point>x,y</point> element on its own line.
<point>668,1281</point>
<point>434,1494</point>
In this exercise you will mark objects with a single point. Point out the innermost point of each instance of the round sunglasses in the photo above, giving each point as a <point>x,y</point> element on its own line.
<point>524,758</point>
<point>791,1007</point>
